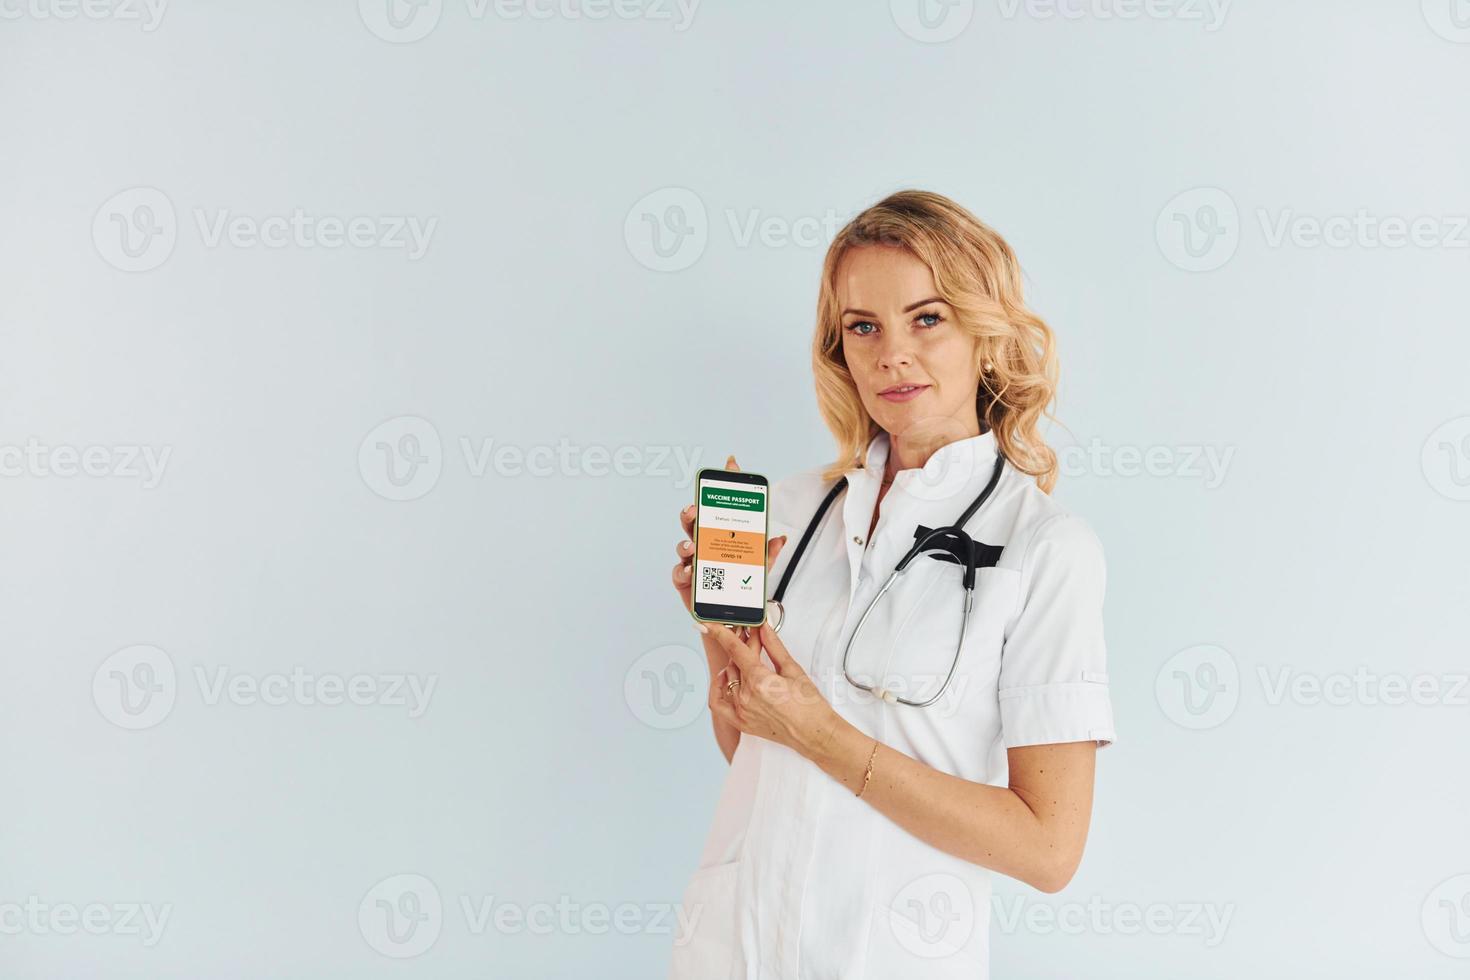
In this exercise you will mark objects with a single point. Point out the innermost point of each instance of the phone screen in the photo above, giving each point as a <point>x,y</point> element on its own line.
<point>730,556</point>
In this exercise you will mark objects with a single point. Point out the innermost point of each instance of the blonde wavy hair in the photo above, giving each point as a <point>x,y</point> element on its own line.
<point>978,276</point>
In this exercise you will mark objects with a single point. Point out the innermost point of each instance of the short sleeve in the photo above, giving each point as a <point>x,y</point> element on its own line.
<point>1053,669</point>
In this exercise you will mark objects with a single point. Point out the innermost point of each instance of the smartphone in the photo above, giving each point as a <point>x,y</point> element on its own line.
<point>730,526</point>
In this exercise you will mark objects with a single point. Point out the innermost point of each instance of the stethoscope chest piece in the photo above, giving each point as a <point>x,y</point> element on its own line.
<point>775,614</point>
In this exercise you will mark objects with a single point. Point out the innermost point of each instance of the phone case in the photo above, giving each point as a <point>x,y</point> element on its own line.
<point>765,550</point>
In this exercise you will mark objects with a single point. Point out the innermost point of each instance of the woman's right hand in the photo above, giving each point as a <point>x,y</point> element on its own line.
<point>721,669</point>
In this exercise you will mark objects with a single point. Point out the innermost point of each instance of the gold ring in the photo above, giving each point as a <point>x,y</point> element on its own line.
<point>730,687</point>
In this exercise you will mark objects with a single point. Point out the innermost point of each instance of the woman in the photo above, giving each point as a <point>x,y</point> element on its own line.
<point>856,833</point>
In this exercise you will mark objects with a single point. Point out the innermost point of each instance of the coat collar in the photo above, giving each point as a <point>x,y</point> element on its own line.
<point>954,471</point>
<point>933,495</point>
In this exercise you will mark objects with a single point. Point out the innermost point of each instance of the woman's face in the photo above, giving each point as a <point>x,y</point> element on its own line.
<point>912,364</point>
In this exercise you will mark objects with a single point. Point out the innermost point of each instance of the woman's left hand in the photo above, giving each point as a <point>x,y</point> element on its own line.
<point>782,705</point>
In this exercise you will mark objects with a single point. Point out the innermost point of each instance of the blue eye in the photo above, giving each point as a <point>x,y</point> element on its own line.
<point>926,318</point>
<point>854,328</point>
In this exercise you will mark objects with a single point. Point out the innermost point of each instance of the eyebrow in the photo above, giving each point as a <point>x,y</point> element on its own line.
<point>907,309</point>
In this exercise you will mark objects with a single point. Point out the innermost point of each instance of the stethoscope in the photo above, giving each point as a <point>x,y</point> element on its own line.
<point>953,539</point>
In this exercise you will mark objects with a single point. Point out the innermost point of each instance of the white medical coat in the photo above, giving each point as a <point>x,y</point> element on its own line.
<point>801,879</point>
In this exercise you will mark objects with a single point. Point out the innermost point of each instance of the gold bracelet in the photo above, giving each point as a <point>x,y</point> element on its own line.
<point>869,774</point>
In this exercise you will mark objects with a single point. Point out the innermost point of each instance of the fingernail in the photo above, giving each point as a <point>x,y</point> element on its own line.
<point>701,627</point>
<point>730,460</point>
<point>685,545</point>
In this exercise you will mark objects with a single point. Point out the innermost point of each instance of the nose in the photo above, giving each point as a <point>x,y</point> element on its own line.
<point>894,353</point>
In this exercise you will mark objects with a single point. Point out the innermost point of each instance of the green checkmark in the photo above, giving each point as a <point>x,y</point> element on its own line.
<point>746,580</point>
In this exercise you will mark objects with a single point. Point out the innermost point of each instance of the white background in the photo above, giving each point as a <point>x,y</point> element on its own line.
<point>563,755</point>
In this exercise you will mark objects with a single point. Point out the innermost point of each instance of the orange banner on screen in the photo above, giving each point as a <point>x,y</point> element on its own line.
<point>731,547</point>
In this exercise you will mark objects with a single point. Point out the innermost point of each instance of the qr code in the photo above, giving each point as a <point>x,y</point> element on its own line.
<point>714,578</point>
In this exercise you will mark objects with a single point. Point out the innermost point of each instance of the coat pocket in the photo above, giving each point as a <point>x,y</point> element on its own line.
<point>706,933</point>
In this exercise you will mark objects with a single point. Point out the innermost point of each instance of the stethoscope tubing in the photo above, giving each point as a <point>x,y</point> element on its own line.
<point>776,610</point>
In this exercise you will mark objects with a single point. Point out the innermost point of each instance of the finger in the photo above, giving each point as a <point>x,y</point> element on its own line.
<point>686,520</point>
<point>774,548</point>
<point>723,710</point>
<point>776,650</point>
<point>747,655</point>
<point>683,584</point>
<point>743,653</point>
<point>685,550</point>
<point>731,465</point>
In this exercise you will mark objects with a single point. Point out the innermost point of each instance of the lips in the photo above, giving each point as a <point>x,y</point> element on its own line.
<point>902,392</point>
